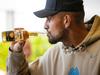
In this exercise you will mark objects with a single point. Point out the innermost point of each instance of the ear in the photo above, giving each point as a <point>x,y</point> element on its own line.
<point>67,20</point>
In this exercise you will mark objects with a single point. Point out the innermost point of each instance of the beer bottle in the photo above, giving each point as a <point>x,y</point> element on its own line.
<point>17,34</point>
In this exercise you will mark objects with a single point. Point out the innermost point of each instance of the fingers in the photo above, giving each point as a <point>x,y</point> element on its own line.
<point>17,45</point>
<point>12,44</point>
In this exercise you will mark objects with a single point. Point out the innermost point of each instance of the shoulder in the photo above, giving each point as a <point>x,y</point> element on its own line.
<point>94,48</point>
<point>95,45</point>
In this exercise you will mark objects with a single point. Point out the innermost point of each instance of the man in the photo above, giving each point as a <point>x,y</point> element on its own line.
<point>77,51</point>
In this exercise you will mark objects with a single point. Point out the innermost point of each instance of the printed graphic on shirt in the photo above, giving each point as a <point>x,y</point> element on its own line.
<point>74,71</point>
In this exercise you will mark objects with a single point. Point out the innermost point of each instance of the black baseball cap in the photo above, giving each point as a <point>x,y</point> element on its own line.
<point>54,6</point>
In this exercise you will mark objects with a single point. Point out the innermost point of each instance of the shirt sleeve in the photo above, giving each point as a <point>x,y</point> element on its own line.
<point>17,64</point>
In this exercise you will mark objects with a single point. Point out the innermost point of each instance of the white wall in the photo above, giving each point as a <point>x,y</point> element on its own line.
<point>92,7</point>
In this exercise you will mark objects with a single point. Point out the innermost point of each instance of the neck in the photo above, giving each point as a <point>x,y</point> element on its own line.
<point>75,36</point>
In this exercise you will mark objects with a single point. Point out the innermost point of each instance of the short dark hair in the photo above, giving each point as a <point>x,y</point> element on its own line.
<point>78,16</point>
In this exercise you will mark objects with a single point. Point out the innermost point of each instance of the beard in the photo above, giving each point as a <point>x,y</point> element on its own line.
<point>53,39</point>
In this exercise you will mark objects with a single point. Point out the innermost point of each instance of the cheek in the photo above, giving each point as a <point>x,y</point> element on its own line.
<point>57,24</point>
<point>57,28</point>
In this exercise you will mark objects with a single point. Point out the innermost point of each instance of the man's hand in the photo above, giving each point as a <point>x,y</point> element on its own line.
<point>17,46</point>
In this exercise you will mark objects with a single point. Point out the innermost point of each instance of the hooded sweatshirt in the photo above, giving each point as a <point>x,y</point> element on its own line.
<point>61,60</point>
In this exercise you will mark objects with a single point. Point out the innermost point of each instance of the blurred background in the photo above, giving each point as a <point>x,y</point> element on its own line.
<point>19,13</point>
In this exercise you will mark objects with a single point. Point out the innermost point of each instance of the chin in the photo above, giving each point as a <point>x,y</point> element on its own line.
<point>53,41</point>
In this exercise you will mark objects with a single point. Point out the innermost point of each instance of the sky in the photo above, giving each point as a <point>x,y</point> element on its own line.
<point>24,17</point>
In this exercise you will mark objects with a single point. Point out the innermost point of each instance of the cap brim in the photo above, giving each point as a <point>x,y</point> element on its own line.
<point>44,13</point>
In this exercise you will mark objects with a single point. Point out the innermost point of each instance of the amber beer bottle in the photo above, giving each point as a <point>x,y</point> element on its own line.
<point>17,34</point>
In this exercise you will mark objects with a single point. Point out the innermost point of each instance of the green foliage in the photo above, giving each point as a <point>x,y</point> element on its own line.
<point>39,46</point>
<point>3,54</point>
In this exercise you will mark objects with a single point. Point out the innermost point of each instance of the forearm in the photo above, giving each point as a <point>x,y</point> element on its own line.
<point>17,65</point>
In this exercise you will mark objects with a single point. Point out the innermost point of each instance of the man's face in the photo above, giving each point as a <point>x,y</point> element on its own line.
<point>55,28</point>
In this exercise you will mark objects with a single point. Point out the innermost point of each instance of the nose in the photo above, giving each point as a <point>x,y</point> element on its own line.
<point>46,25</point>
